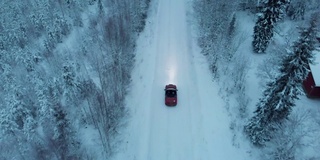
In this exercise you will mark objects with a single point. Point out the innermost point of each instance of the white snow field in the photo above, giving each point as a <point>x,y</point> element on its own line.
<point>198,127</point>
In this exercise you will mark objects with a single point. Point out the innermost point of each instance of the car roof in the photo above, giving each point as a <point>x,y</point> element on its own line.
<point>171,89</point>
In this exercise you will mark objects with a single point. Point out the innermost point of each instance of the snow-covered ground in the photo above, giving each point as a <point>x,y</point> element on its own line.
<point>198,127</point>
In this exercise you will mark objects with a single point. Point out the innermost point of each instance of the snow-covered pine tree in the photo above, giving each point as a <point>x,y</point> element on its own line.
<point>17,126</point>
<point>140,8</point>
<point>280,95</point>
<point>69,75</point>
<point>64,136</point>
<point>296,10</point>
<point>263,30</point>
<point>229,41</point>
<point>232,27</point>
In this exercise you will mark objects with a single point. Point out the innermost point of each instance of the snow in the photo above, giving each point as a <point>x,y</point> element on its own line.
<point>199,126</point>
<point>91,140</point>
<point>315,68</point>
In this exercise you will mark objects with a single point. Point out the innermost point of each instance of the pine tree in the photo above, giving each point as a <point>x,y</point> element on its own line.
<point>280,95</point>
<point>64,135</point>
<point>296,10</point>
<point>263,30</point>
<point>232,27</point>
<point>17,125</point>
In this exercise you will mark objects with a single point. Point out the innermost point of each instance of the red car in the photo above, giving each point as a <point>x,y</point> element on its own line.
<point>171,95</point>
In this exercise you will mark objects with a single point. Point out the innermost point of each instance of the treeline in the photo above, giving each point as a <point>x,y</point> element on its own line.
<point>64,66</point>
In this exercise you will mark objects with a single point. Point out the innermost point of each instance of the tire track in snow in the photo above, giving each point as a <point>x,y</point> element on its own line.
<point>159,117</point>
<point>201,151</point>
<point>141,147</point>
<point>182,138</point>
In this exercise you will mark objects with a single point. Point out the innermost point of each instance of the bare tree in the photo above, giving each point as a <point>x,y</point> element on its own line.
<point>292,137</point>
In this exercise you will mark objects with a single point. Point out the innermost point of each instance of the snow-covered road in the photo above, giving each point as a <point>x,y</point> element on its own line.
<point>198,127</point>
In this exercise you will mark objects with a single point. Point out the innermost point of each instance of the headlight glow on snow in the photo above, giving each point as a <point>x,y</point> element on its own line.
<point>172,74</point>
